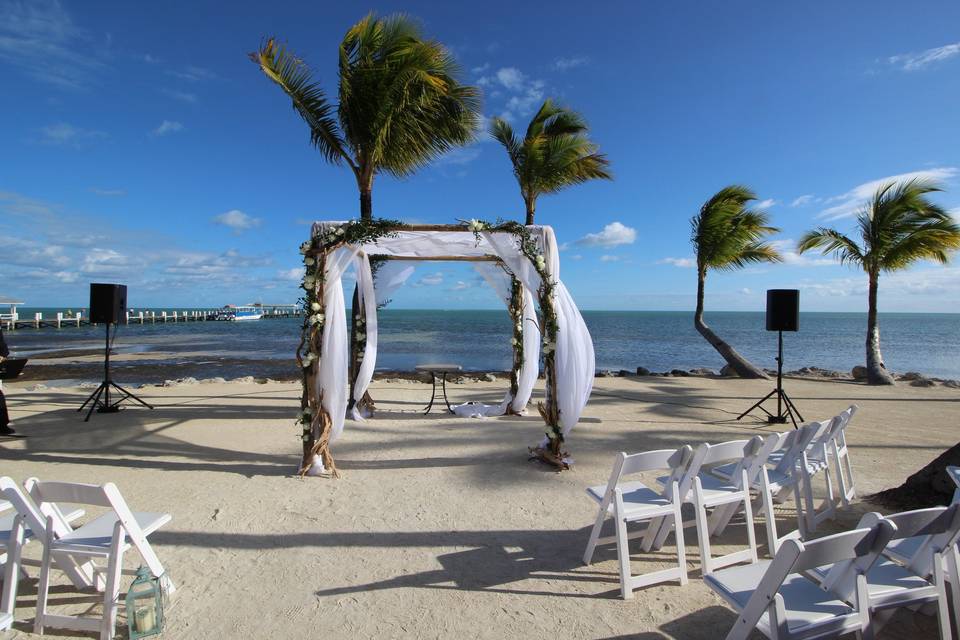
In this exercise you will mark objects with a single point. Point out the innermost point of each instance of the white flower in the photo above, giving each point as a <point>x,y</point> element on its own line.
<point>361,336</point>
<point>320,318</point>
<point>305,437</point>
<point>305,247</point>
<point>308,359</point>
<point>308,282</point>
<point>308,261</point>
<point>514,341</point>
<point>519,326</point>
<point>476,225</point>
<point>315,306</point>
<point>339,231</point>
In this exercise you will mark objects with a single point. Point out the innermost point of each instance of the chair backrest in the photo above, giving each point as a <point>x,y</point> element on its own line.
<point>675,460</point>
<point>940,525</point>
<point>798,443</point>
<point>954,473</point>
<point>24,506</point>
<point>795,556</point>
<point>743,452</point>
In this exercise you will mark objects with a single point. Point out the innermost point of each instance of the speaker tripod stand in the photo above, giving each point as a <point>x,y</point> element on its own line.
<point>100,398</point>
<point>785,407</point>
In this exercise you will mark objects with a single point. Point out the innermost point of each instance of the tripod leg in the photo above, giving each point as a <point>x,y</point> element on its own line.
<point>792,406</point>
<point>96,399</point>
<point>127,394</point>
<point>757,405</point>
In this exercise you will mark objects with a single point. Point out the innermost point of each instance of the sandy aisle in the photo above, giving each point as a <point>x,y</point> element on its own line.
<point>439,527</point>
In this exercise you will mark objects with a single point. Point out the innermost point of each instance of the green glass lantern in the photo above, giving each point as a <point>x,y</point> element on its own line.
<point>144,605</point>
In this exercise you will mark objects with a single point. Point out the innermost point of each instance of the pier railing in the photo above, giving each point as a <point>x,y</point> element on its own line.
<point>12,321</point>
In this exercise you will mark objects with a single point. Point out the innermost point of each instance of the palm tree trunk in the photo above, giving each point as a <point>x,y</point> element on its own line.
<point>876,372</point>
<point>743,367</point>
<point>366,204</point>
<point>531,209</point>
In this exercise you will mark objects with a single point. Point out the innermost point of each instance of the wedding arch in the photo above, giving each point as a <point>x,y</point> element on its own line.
<point>522,263</point>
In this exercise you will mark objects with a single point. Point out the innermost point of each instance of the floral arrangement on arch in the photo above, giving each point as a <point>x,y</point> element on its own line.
<point>315,423</point>
<point>549,329</point>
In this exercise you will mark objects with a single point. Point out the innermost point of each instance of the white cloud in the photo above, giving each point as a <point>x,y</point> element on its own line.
<point>63,133</point>
<point>108,192</point>
<point>149,59</point>
<point>167,127</point>
<point>765,204</point>
<point>788,251</point>
<point>614,234</point>
<point>183,96</point>
<point>459,156</point>
<point>685,263</point>
<point>480,69</point>
<point>40,39</point>
<point>609,258</point>
<point>563,64</point>
<point>802,200</point>
<point>525,93</point>
<point>850,203</point>
<point>576,257</point>
<point>745,291</point>
<point>193,74</point>
<point>293,275</point>
<point>430,281</point>
<point>917,61</point>
<point>460,286</point>
<point>237,220</point>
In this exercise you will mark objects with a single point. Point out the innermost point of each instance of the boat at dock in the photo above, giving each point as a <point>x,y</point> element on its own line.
<point>245,312</point>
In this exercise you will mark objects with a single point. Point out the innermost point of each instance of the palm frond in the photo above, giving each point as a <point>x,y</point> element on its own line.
<point>727,235</point>
<point>831,241</point>
<point>898,226</point>
<point>309,99</point>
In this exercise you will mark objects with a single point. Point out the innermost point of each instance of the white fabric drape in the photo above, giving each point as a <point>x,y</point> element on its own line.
<point>574,349</point>
<point>499,280</point>
<point>368,309</point>
<point>392,275</point>
<point>575,361</point>
<point>332,374</point>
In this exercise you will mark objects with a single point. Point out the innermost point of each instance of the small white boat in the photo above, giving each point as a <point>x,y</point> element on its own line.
<point>238,313</point>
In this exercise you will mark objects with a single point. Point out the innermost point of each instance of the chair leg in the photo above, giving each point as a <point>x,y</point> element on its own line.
<point>111,592</point>
<point>678,536</point>
<point>943,607</point>
<point>801,516</point>
<point>703,535</point>
<point>623,556</point>
<point>748,517</point>
<point>12,568</point>
<point>43,588</point>
<point>809,507</point>
<point>594,536</point>
<point>953,564</point>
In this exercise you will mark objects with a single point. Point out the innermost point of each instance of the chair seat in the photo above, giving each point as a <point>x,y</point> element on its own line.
<point>886,578</point>
<point>6,524</point>
<point>638,499</point>
<point>805,603</point>
<point>714,489</point>
<point>904,548</point>
<point>724,471</point>
<point>95,536</point>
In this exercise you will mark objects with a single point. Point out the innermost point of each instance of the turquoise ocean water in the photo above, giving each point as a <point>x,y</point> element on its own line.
<point>479,340</point>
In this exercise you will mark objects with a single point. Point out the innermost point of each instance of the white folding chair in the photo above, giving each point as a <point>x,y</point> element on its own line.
<point>633,501</point>
<point>921,581</point>
<point>724,498</point>
<point>774,597</point>
<point>841,458</point>
<point>19,527</point>
<point>105,538</point>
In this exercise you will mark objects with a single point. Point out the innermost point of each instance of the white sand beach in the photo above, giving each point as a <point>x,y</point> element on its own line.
<point>439,526</point>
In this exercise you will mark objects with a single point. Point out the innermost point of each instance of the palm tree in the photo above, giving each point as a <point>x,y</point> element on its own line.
<point>554,154</point>
<point>400,104</point>
<point>899,226</point>
<point>727,235</point>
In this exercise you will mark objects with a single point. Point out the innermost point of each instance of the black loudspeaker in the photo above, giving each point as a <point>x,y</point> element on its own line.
<point>783,309</point>
<point>108,303</point>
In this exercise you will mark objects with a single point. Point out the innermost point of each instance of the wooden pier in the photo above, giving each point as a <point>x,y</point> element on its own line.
<point>13,321</point>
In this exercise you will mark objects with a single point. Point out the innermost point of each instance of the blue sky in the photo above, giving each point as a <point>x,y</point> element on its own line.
<point>140,145</point>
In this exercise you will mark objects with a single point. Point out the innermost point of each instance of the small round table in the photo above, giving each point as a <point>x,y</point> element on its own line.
<point>443,370</point>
